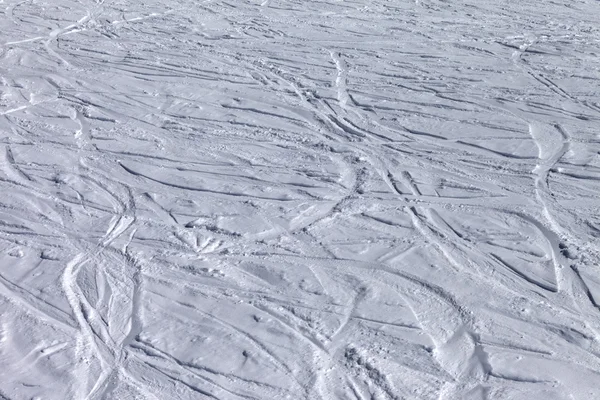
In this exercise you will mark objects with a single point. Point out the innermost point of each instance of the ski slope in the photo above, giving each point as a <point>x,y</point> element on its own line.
<point>295,199</point>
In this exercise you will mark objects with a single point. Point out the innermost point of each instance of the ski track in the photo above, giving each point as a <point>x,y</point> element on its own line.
<point>291,199</point>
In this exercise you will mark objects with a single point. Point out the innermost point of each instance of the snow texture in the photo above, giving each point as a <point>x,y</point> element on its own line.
<point>295,199</point>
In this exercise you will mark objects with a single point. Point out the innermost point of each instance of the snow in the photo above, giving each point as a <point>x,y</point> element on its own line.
<point>290,199</point>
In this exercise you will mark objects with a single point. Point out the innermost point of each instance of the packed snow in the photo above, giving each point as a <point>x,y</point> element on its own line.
<point>296,199</point>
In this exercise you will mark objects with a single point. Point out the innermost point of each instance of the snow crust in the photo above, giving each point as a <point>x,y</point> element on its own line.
<point>299,199</point>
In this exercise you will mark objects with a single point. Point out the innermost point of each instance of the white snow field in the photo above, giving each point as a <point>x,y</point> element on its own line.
<point>297,199</point>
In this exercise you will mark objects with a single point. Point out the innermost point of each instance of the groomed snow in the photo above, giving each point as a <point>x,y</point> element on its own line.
<point>296,199</point>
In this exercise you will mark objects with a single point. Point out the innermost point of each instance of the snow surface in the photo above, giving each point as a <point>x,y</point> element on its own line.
<point>296,199</point>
